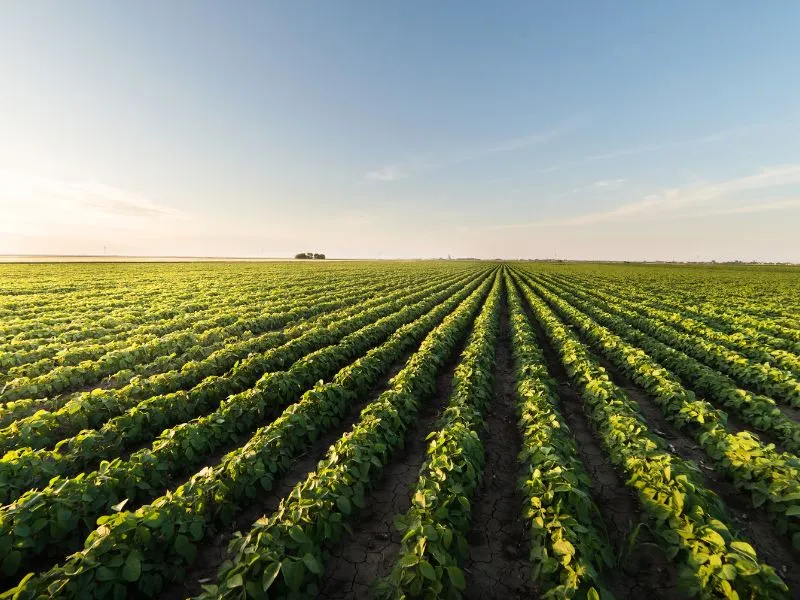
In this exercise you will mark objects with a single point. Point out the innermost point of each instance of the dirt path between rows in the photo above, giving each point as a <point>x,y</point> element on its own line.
<point>368,554</point>
<point>643,571</point>
<point>747,522</point>
<point>498,564</point>
<point>213,551</point>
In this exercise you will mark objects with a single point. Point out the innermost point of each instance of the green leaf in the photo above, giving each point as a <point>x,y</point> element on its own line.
<point>185,548</point>
<point>343,502</point>
<point>427,570</point>
<point>270,573</point>
<point>744,548</point>
<point>132,569</point>
<point>408,560</point>
<point>728,572</point>
<point>11,562</point>
<point>104,574</point>
<point>234,581</point>
<point>563,548</point>
<point>293,571</point>
<point>456,576</point>
<point>196,529</point>
<point>313,564</point>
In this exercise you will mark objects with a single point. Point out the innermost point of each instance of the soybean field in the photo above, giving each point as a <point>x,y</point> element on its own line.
<point>429,429</point>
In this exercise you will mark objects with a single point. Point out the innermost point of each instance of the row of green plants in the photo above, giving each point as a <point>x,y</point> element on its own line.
<point>157,372</point>
<point>760,412</point>
<point>744,360</point>
<point>762,329</point>
<point>90,409</point>
<point>435,527</point>
<point>83,342</point>
<point>772,479</point>
<point>135,553</point>
<point>569,545</point>
<point>63,378</point>
<point>754,349</point>
<point>130,378</point>
<point>56,353</point>
<point>687,519</point>
<point>25,468</point>
<point>26,330</point>
<point>125,306</point>
<point>58,517</point>
<point>283,555</point>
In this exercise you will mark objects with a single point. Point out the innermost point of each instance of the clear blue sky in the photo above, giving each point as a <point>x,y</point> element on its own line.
<point>614,130</point>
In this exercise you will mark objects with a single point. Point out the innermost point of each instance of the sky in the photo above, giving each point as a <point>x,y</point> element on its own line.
<point>570,130</point>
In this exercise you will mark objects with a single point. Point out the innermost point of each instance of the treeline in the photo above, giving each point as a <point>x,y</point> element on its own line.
<point>311,255</point>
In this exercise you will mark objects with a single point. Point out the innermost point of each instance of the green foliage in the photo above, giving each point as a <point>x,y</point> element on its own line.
<point>686,517</point>
<point>434,529</point>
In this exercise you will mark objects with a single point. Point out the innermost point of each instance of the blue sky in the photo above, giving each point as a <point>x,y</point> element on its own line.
<point>615,130</point>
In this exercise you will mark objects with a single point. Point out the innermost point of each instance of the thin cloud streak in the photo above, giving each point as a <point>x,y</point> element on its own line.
<point>680,202</point>
<point>421,165</point>
<point>40,204</point>
<point>388,173</point>
<point>719,136</point>
<point>608,183</point>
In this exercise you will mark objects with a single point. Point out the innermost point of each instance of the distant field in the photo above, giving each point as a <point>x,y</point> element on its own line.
<point>325,429</point>
<point>41,258</point>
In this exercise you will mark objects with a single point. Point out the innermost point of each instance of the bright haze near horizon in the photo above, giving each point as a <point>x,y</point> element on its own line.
<point>614,131</point>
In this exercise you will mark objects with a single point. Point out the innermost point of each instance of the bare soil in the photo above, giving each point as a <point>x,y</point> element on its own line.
<point>643,571</point>
<point>359,560</point>
<point>213,551</point>
<point>498,564</point>
<point>747,522</point>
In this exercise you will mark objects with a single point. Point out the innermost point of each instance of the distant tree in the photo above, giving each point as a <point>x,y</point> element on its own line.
<point>319,256</point>
<point>303,255</point>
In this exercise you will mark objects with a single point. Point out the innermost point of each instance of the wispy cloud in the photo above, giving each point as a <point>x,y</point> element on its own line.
<point>608,184</point>
<point>527,141</point>
<point>39,205</point>
<point>387,173</point>
<point>711,138</point>
<point>701,199</point>
<point>421,164</point>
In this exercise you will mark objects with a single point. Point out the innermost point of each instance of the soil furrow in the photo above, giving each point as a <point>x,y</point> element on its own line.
<point>371,549</point>
<point>642,570</point>
<point>498,564</point>
<point>214,550</point>
<point>749,523</point>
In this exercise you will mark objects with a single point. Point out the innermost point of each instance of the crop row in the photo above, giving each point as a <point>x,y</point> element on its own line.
<point>138,551</point>
<point>760,412</point>
<point>92,312</point>
<point>772,479</point>
<point>93,408</point>
<point>434,544</point>
<point>25,468</point>
<point>702,344</point>
<point>755,349</point>
<point>719,314</point>
<point>37,519</point>
<point>54,354</point>
<point>63,378</point>
<point>687,518</point>
<point>569,547</point>
<point>283,553</point>
<point>211,343</point>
